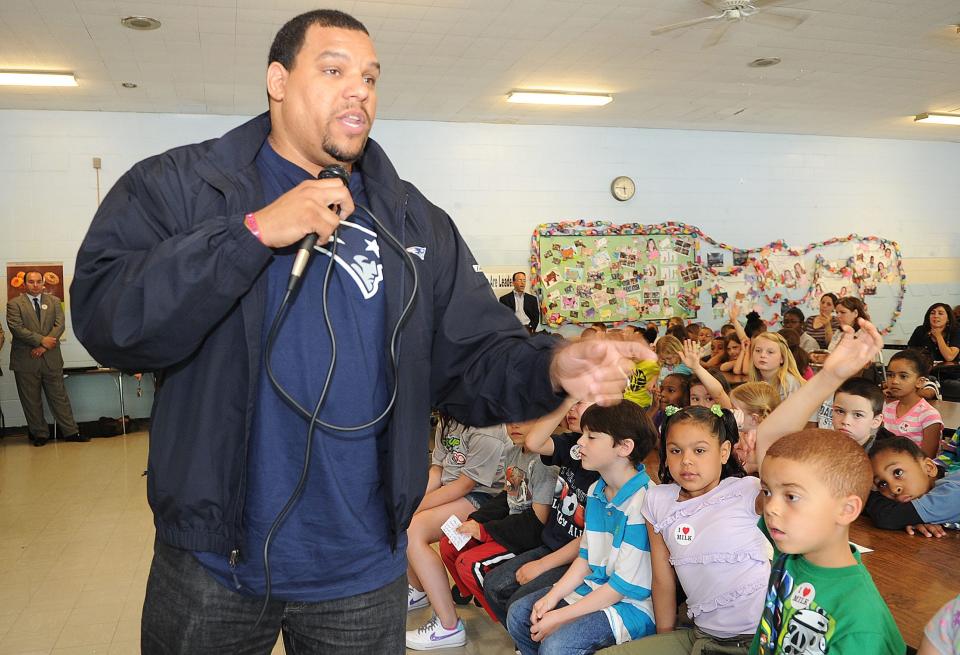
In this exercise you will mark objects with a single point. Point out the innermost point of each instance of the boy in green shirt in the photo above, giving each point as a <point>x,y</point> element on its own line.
<point>814,483</point>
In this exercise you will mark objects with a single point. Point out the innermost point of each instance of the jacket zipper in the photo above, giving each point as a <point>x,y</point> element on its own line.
<point>394,531</point>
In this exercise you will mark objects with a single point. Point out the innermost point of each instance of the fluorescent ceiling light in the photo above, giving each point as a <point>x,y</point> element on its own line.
<point>36,78</point>
<point>559,98</point>
<point>942,119</point>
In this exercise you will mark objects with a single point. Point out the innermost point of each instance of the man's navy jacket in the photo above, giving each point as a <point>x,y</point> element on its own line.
<point>169,279</point>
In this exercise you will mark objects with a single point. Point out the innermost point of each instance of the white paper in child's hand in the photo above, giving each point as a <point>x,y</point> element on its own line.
<point>860,549</point>
<point>449,528</point>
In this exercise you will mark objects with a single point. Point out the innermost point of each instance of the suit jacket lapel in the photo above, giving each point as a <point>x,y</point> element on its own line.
<point>32,313</point>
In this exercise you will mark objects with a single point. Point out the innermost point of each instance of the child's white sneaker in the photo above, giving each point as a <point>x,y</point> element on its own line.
<point>416,599</point>
<point>432,635</point>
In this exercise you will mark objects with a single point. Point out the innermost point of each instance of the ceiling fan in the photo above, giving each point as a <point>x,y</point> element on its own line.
<point>731,11</point>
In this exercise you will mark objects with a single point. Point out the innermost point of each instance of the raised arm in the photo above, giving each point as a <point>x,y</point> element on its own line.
<point>538,438</point>
<point>691,357</point>
<point>854,351</point>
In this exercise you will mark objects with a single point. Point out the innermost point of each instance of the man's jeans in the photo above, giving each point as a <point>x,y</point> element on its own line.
<point>186,611</point>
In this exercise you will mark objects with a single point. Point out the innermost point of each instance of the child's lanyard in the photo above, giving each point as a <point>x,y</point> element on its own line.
<point>773,608</point>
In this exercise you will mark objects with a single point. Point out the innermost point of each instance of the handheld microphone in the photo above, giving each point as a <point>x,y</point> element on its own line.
<point>305,251</point>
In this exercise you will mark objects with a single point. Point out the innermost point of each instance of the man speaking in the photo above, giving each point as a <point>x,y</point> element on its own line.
<point>185,269</point>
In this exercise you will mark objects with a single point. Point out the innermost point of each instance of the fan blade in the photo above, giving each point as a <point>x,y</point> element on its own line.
<point>686,23</point>
<point>717,34</point>
<point>712,4</point>
<point>779,21</point>
<point>760,4</point>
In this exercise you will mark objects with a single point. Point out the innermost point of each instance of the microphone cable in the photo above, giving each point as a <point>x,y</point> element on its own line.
<point>313,417</point>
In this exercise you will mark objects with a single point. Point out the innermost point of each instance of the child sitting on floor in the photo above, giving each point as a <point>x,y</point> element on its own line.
<point>467,470</point>
<point>604,597</point>
<point>702,525</point>
<point>669,349</point>
<point>912,492</point>
<point>814,483</point>
<point>909,415</point>
<point>541,567</point>
<point>508,524</point>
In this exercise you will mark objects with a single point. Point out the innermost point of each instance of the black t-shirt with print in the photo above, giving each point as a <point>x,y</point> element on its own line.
<point>565,521</point>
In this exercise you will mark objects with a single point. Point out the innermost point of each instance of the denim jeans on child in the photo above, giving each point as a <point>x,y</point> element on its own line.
<point>501,589</point>
<point>585,635</point>
<point>187,612</point>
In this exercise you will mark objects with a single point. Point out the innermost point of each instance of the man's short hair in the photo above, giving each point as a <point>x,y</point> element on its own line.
<point>289,40</point>
<point>29,273</point>
<point>838,461</point>
<point>865,389</point>
<point>514,278</point>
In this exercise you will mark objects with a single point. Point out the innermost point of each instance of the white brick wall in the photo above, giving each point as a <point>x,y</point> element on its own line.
<point>499,181</point>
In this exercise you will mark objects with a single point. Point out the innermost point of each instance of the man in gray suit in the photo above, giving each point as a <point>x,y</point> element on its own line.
<point>36,322</point>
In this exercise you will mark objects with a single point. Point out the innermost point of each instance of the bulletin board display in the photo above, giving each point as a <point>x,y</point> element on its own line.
<point>588,274</point>
<point>596,271</point>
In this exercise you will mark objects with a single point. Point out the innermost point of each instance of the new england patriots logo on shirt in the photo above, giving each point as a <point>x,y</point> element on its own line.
<point>358,253</point>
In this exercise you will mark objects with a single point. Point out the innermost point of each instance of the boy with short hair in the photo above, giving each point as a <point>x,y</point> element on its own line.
<point>604,598</point>
<point>814,484</point>
<point>857,411</point>
<point>912,492</point>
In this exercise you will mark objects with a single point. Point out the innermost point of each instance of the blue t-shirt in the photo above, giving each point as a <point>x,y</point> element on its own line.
<point>942,503</point>
<point>336,542</point>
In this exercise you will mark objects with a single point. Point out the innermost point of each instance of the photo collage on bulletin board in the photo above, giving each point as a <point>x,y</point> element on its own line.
<point>586,272</point>
<point>591,277</point>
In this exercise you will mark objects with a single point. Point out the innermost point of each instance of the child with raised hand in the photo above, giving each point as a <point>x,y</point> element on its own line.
<point>706,389</point>
<point>912,492</point>
<point>669,348</point>
<point>466,471</point>
<point>604,597</point>
<point>909,415</point>
<point>542,566</point>
<point>702,525</point>
<point>814,483</point>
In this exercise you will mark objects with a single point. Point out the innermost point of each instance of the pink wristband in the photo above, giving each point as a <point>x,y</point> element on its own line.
<point>250,220</point>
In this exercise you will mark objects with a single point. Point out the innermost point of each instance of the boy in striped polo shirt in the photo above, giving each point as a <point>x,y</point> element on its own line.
<point>604,597</point>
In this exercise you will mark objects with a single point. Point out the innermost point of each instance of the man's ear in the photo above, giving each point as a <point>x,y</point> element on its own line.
<point>849,509</point>
<point>276,81</point>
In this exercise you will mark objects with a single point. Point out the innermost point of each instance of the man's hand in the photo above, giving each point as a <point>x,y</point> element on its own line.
<point>855,350</point>
<point>471,528</point>
<point>597,370</point>
<point>49,342</point>
<point>927,530</point>
<point>38,352</point>
<point>529,571</point>
<point>302,210</point>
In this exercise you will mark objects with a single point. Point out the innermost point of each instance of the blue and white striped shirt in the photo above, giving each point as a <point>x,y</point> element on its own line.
<point>616,545</point>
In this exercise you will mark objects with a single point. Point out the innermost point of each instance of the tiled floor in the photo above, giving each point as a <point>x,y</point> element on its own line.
<point>76,540</point>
